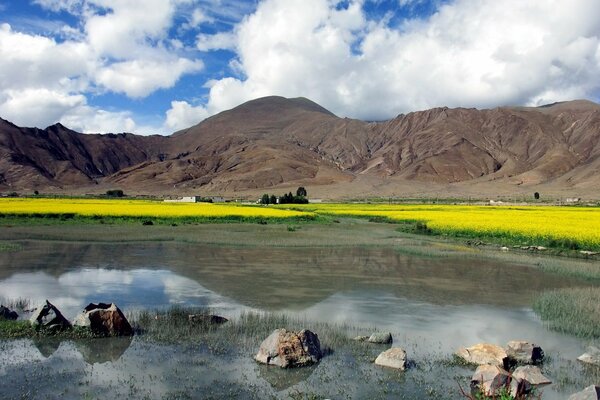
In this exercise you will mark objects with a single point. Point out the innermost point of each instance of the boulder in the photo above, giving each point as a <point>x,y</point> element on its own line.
<point>207,319</point>
<point>484,353</point>
<point>49,317</point>
<point>589,393</point>
<point>392,358</point>
<point>531,374</point>
<point>489,380</point>
<point>104,319</point>
<point>381,338</point>
<point>290,349</point>
<point>591,356</point>
<point>8,314</point>
<point>522,352</point>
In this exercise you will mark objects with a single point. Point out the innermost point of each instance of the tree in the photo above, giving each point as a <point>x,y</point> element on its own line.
<point>536,195</point>
<point>273,199</point>
<point>115,193</point>
<point>301,192</point>
<point>264,199</point>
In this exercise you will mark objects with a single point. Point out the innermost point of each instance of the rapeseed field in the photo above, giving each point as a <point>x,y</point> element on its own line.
<point>575,227</point>
<point>140,209</point>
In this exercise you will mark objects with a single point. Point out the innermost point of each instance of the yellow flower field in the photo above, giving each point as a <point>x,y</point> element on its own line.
<point>542,223</point>
<point>140,208</point>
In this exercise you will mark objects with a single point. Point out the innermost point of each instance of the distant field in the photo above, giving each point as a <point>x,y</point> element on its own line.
<point>567,227</point>
<point>68,208</point>
<point>560,227</point>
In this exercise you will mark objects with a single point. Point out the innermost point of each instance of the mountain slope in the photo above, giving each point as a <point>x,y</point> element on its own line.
<point>273,142</point>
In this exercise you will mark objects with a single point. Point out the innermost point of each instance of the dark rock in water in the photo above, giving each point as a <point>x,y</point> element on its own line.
<point>50,318</point>
<point>8,314</point>
<point>102,350</point>
<point>591,356</point>
<point>589,393</point>
<point>381,338</point>
<point>290,349</point>
<point>207,319</point>
<point>104,319</point>
<point>521,352</point>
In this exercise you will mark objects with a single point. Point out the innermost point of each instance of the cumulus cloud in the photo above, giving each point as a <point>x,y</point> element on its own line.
<point>116,48</point>
<point>182,115</point>
<point>469,53</point>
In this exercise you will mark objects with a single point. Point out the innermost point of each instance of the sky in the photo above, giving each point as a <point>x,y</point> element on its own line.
<point>158,66</point>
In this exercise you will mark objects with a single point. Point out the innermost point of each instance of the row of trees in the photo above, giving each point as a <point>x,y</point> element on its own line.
<point>288,198</point>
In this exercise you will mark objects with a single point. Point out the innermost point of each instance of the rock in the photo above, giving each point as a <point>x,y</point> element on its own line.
<point>489,380</point>
<point>290,349</point>
<point>589,393</point>
<point>361,338</point>
<point>207,319</point>
<point>531,374</point>
<point>381,338</point>
<point>8,314</point>
<point>519,388</point>
<point>504,248</point>
<point>591,356</point>
<point>49,317</point>
<point>588,253</point>
<point>540,248</point>
<point>524,352</point>
<point>104,319</point>
<point>392,358</point>
<point>484,353</point>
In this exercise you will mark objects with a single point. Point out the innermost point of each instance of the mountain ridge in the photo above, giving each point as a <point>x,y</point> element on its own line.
<point>274,143</point>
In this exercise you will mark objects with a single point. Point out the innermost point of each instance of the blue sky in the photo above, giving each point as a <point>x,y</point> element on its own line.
<point>156,66</point>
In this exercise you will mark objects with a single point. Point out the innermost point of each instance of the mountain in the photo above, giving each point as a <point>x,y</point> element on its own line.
<point>274,144</point>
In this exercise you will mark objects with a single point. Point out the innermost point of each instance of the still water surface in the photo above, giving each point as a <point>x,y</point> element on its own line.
<point>429,304</point>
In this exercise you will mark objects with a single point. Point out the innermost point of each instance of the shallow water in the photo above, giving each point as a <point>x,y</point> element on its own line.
<point>432,305</point>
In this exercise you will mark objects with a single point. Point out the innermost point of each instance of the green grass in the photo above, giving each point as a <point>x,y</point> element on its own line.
<point>575,311</point>
<point>24,330</point>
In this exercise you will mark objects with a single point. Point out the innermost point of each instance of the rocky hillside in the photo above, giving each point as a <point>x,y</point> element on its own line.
<point>274,143</point>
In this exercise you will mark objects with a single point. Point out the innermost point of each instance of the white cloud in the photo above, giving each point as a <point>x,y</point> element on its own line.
<point>117,47</point>
<point>217,41</point>
<point>182,115</point>
<point>37,107</point>
<point>139,78</point>
<point>469,53</point>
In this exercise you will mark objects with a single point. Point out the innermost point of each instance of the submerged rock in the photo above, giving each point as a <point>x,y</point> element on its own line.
<point>49,317</point>
<point>290,349</point>
<point>531,374</point>
<point>392,358</point>
<point>381,338</point>
<point>591,356</point>
<point>484,353</point>
<point>522,352</point>
<point>104,319</point>
<point>589,393</point>
<point>8,314</point>
<point>207,319</point>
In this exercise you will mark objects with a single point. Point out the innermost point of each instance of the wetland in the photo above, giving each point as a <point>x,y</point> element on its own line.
<point>338,279</point>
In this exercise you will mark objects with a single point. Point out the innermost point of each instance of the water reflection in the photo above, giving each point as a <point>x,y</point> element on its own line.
<point>98,351</point>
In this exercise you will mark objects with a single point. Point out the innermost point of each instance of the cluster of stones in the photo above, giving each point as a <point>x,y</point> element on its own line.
<point>494,362</point>
<point>101,319</point>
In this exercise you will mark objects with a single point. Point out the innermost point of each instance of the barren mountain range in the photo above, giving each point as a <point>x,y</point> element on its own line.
<point>275,144</point>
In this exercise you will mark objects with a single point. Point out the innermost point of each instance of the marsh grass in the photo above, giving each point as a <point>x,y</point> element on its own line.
<point>241,335</point>
<point>575,311</point>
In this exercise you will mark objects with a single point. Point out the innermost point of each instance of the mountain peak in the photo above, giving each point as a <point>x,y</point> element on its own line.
<point>279,103</point>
